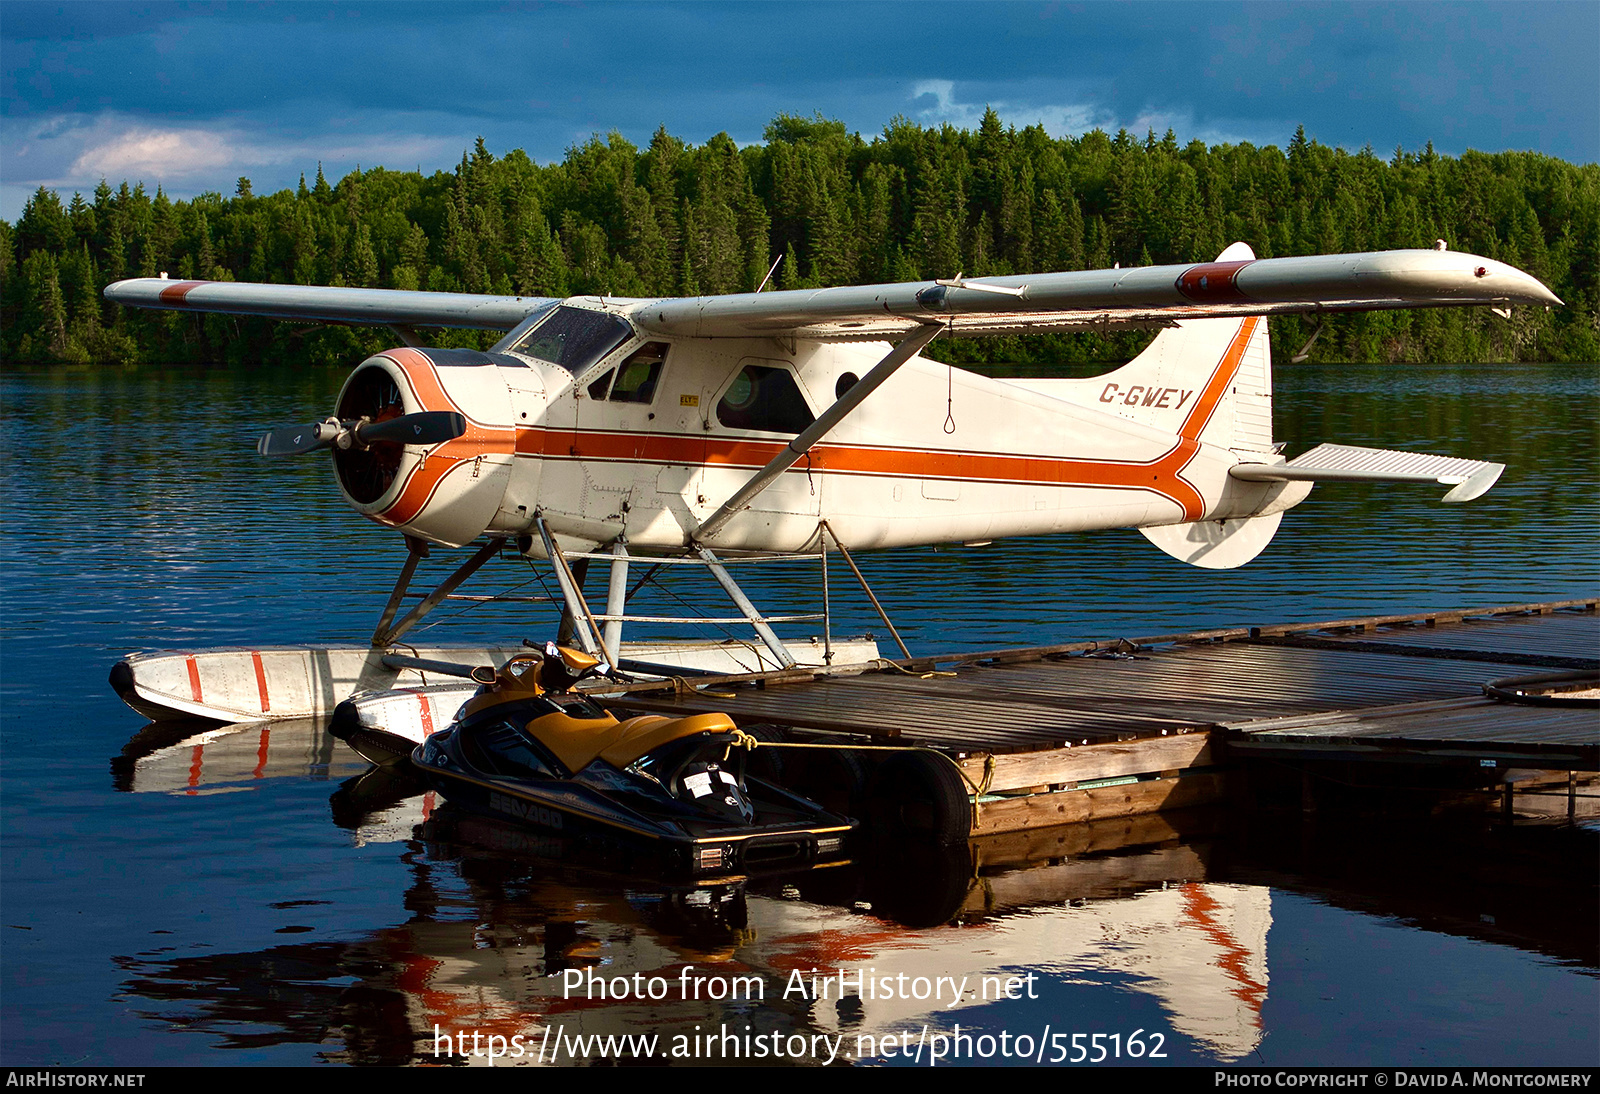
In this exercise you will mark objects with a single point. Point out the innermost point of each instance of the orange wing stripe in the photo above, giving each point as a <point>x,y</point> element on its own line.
<point>176,294</point>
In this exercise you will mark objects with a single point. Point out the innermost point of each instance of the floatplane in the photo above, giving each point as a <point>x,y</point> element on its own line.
<point>707,430</point>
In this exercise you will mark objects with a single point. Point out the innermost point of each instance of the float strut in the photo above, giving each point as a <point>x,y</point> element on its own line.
<point>736,594</point>
<point>825,526</point>
<point>583,625</point>
<point>616,601</point>
<point>433,599</point>
<point>416,551</point>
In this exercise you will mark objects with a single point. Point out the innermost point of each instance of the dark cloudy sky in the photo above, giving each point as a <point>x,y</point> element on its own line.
<point>191,96</point>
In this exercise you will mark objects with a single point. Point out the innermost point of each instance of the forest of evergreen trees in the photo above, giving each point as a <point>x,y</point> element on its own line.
<point>674,219</point>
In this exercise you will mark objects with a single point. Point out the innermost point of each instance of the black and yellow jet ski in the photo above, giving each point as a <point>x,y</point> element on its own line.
<point>529,747</point>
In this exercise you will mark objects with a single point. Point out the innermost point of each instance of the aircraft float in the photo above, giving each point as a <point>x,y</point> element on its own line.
<point>707,429</point>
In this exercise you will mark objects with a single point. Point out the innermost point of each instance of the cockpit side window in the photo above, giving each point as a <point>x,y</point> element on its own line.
<point>766,399</point>
<point>638,375</point>
<point>635,379</point>
<point>574,338</point>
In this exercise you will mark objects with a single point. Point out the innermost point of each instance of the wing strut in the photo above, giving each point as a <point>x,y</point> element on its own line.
<point>907,348</point>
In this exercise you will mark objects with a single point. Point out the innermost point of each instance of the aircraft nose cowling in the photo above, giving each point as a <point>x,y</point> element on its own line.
<point>447,492</point>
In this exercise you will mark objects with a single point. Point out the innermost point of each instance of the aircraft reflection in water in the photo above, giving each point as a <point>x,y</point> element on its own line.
<point>1169,914</point>
<point>500,911</point>
<point>178,757</point>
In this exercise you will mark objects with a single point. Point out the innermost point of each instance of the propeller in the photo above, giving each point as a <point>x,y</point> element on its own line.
<point>423,428</point>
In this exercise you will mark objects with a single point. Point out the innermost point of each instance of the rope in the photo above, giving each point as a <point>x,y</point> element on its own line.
<point>741,739</point>
<point>885,666</point>
<point>681,687</point>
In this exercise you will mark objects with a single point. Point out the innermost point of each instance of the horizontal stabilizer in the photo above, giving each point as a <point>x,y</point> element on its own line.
<point>1346,463</point>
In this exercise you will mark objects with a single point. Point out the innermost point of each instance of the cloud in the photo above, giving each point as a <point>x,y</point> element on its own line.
<point>117,148</point>
<point>69,152</point>
<point>1073,119</point>
<point>75,151</point>
<point>1070,119</point>
<point>159,153</point>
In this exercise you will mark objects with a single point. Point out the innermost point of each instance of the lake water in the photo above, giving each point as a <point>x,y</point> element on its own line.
<point>241,899</point>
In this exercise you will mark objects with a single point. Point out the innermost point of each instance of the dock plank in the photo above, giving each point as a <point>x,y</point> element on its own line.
<point>1353,683</point>
<point>1566,738</point>
<point>1564,637</point>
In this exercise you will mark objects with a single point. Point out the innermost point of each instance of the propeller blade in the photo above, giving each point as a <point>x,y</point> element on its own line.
<point>293,440</point>
<point>425,427</point>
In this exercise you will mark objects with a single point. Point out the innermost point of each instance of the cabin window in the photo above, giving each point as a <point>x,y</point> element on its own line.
<point>574,338</point>
<point>764,398</point>
<point>633,381</point>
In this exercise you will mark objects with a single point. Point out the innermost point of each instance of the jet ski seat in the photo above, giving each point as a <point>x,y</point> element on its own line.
<point>578,743</point>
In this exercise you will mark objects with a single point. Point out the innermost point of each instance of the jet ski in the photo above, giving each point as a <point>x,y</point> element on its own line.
<point>530,747</point>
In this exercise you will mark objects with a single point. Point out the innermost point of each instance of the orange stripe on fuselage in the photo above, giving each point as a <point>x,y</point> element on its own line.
<point>1205,406</point>
<point>1158,475</point>
<point>1217,386</point>
<point>423,479</point>
<point>1162,475</point>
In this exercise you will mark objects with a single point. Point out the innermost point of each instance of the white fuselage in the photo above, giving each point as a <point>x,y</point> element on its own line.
<point>936,454</point>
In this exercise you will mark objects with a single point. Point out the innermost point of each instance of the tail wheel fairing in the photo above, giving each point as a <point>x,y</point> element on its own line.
<point>367,473</point>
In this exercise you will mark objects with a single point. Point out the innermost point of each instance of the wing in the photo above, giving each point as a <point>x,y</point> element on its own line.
<point>379,307</point>
<point>1237,284</point>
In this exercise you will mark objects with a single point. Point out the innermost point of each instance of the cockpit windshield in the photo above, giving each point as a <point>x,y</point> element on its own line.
<point>574,338</point>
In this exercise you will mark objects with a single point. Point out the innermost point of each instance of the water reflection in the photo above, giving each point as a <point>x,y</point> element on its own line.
<point>193,757</point>
<point>498,913</point>
<point>214,901</point>
<point>523,935</point>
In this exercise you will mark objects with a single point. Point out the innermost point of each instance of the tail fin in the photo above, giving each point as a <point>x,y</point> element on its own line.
<point>1208,378</point>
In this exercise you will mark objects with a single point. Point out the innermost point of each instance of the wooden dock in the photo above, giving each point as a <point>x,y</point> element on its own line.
<point>1120,727</point>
